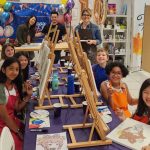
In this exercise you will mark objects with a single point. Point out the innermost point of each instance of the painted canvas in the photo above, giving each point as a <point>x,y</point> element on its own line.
<point>57,141</point>
<point>39,123</point>
<point>131,133</point>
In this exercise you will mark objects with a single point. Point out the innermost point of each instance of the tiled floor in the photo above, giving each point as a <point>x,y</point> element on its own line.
<point>134,81</point>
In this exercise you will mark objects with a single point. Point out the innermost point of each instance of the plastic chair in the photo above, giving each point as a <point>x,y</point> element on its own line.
<point>6,140</point>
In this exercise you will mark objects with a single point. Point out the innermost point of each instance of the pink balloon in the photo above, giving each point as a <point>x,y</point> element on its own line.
<point>61,19</point>
<point>68,18</point>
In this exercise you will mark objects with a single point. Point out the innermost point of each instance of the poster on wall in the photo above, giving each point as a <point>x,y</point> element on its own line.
<point>19,14</point>
<point>138,21</point>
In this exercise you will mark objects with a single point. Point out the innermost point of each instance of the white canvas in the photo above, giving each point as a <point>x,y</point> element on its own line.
<point>43,55</point>
<point>57,141</point>
<point>44,76</point>
<point>131,133</point>
<point>90,67</point>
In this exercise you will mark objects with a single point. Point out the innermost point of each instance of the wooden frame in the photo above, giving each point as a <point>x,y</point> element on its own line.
<point>45,94</point>
<point>83,4</point>
<point>86,65</point>
<point>98,123</point>
<point>100,11</point>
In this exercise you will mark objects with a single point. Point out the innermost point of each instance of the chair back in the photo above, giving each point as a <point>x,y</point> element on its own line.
<point>6,140</point>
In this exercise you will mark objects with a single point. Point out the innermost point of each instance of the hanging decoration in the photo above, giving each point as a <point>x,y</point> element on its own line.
<point>100,11</point>
<point>61,9</point>
<point>2,2</point>
<point>5,7</point>
<point>63,2</point>
<point>68,17</point>
<point>70,4</point>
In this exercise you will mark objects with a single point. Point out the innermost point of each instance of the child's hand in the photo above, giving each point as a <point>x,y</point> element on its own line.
<point>110,92</point>
<point>120,113</point>
<point>146,147</point>
<point>28,88</point>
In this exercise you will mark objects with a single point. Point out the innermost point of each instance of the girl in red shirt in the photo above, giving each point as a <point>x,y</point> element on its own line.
<point>142,113</point>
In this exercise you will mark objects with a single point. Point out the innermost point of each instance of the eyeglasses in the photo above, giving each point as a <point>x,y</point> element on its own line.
<point>116,73</point>
<point>86,15</point>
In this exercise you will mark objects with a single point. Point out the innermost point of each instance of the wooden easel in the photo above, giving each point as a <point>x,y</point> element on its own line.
<point>85,64</point>
<point>83,4</point>
<point>46,94</point>
<point>98,123</point>
<point>43,87</point>
<point>100,11</point>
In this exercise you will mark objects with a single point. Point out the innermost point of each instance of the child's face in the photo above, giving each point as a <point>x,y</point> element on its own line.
<point>23,61</point>
<point>115,75</point>
<point>12,71</point>
<point>101,58</point>
<point>9,51</point>
<point>146,96</point>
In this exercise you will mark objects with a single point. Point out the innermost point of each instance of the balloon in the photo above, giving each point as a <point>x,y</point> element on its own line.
<point>64,1</point>
<point>61,9</point>
<point>68,18</point>
<point>4,17</point>
<point>11,18</point>
<point>7,6</point>
<point>2,2</point>
<point>1,10</point>
<point>60,19</point>
<point>70,4</point>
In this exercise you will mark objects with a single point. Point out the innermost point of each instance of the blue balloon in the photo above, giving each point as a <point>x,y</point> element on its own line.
<point>5,16</point>
<point>7,6</point>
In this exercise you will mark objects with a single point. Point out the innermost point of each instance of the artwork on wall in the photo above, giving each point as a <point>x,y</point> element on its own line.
<point>57,141</point>
<point>131,133</point>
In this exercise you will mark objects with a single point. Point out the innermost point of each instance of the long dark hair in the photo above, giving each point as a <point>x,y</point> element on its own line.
<point>3,55</point>
<point>142,107</point>
<point>33,26</point>
<point>25,72</point>
<point>18,80</point>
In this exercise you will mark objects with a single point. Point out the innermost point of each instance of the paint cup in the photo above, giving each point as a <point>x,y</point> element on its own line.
<point>62,62</point>
<point>77,87</point>
<point>84,103</point>
<point>32,63</point>
<point>57,109</point>
<point>69,70</point>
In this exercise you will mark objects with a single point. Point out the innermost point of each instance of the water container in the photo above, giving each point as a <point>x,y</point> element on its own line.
<point>55,82</point>
<point>70,84</point>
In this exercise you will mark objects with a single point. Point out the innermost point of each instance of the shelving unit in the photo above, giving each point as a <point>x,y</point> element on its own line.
<point>115,35</point>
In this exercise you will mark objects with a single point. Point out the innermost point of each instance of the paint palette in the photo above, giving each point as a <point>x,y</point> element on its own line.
<point>39,114</point>
<point>106,118</point>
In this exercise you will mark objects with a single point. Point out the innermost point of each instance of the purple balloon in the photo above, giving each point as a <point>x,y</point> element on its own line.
<point>70,4</point>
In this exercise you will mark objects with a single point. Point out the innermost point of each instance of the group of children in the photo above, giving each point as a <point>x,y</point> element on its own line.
<point>108,78</point>
<point>15,90</point>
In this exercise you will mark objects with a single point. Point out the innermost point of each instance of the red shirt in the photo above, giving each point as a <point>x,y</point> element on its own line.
<point>143,118</point>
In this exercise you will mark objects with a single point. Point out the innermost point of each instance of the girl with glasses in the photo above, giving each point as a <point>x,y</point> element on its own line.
<point>115,92</point>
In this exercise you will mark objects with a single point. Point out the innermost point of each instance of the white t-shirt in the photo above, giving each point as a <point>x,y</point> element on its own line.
<point>11,92</point>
